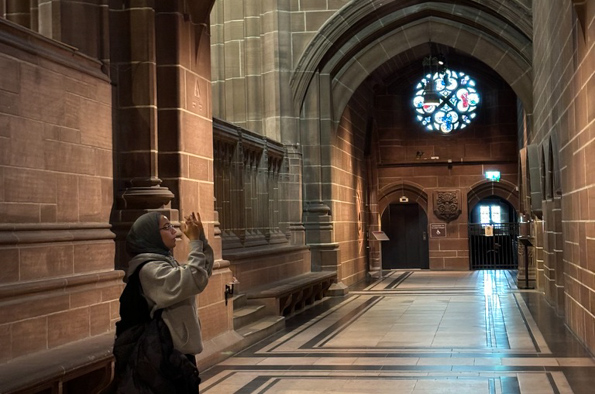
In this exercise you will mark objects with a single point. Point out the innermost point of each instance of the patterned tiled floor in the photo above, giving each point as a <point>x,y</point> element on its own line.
<point>417,332</point>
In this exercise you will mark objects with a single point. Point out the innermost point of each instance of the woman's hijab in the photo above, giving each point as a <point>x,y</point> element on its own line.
<point>145,237</point>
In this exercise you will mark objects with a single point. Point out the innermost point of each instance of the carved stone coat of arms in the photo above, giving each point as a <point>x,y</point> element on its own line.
<point>447,205</point>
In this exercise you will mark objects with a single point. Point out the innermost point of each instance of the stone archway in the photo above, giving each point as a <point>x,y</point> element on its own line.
<point>406,227</point>
<point>393,193</point>
<point>406,193</point>
<point>503,189</point>
<point>364,40</point>
<point>550,272</point>
<point>498,248</point>
<point>383,32</point>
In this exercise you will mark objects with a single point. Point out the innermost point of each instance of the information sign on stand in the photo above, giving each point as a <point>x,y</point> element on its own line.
<point>379,236</point>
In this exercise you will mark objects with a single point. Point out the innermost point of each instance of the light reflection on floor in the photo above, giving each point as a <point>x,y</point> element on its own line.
<point>415,332</point>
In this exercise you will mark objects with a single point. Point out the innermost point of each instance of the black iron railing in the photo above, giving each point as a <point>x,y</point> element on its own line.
<point>499,251</point>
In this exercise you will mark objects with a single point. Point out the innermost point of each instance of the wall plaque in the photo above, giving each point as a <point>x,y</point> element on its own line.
<point>447,205</point>
<point>437,230</point>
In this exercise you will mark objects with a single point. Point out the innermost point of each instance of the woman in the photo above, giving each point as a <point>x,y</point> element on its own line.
<point>159,331</point>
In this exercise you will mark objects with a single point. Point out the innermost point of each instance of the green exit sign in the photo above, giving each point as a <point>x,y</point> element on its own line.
<point>493,176</point>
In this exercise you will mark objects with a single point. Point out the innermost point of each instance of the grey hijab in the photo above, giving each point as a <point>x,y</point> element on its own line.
<point>144,236</point>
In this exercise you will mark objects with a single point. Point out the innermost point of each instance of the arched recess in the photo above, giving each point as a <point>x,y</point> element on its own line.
<point>550,173</point>
<point>503,189</point>
<point>550,279</point>
<point>393,194</point>
<point>366,39</point>
<point>543,168</point>
<point>407,245</point>
<point>515,70</point>
<point>501,249</point>
<point>554,169</point>
<point>362,37</point>
<point>534,179</point>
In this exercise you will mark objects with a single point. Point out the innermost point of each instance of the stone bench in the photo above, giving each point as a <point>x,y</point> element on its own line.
<point>291,295</point>
<point>84,366</point>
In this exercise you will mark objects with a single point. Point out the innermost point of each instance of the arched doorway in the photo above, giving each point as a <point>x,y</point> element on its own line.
<point>406,227</point>
<point>493,234</point>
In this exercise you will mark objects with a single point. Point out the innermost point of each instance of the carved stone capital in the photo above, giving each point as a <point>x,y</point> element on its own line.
<point>146,193</point>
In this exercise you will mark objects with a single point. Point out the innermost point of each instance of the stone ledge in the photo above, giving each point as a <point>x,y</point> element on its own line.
<point>17,236</point>
<point>240,254</point>
<point>56,366</point>
<point>18,289</point>
<point>218,349</point>
<point>31,42</point>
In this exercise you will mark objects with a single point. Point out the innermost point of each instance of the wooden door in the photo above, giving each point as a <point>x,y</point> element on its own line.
<point>406,226</point>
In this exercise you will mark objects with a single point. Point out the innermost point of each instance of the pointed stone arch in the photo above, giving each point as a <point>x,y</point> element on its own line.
<point>554,166</point>
<point>364,36</point>
<point>503,189</point>
<point>543,170</point>
<point>550,273</point>
<point>392,193</point>
<point>534,179</point>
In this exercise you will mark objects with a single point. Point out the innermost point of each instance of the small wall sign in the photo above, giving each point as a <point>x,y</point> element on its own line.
<point>437,230</point>
<point>489,230</point>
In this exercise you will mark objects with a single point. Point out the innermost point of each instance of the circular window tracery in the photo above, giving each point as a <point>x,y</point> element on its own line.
<point>458,101</point>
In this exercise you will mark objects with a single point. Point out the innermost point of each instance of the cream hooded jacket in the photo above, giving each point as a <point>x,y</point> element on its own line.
<point>173,287</point>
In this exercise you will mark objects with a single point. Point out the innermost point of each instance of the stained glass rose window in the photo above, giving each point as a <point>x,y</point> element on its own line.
<point>458,101</point>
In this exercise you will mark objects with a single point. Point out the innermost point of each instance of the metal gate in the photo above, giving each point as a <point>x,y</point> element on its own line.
<point>499,251</point>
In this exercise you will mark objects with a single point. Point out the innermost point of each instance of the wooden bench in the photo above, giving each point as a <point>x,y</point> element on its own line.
<point>291,295</point>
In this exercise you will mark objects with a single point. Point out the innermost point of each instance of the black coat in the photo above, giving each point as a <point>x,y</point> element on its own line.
<point>146,362</point>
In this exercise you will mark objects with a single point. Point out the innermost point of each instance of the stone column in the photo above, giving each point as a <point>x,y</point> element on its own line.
<point>252,156</point>
<point>375,246</point>
<point>318,221</point>
<point>185,154</point>
<point>134,75</point>
<point>290,200</point>
<point>274,233</point>
<point>261,221</point>
<point>222,165</point>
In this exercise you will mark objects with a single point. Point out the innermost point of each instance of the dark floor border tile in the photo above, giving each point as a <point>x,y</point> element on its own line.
<point>509,385</point>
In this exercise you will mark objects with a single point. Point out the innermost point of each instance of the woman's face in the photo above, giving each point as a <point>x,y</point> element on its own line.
<point>168,233</point>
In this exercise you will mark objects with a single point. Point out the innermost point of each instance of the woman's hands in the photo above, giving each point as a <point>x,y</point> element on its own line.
<point>192,226</point>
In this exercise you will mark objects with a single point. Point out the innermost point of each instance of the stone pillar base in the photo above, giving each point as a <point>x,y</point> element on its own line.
<point>297,234</point>
<point>337,290</point>
<point>325,257</point>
